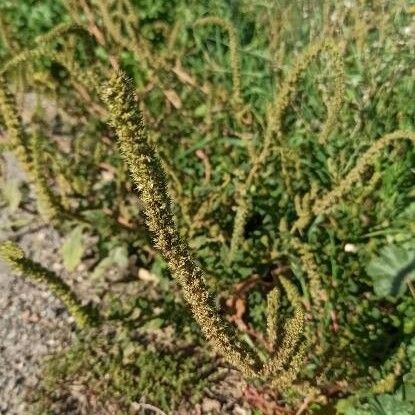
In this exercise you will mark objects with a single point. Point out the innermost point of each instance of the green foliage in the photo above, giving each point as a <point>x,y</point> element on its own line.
<point>392,270</point>
<point>26,19</point>
<point>117,256</point>
<point>116,367</point>
<point>400,402</point>
<point>73,248</point>
<point>382,405</point>
<point>276,173</point>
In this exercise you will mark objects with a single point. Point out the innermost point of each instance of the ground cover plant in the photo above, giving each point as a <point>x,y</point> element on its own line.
<point>256,159</point>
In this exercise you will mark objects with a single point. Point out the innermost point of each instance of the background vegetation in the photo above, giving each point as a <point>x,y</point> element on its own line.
<point>330,205</point>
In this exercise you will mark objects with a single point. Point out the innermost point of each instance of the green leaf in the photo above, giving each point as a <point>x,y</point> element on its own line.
<point>391,404</point>
<point>99,220</point>
<point>73,248</point>
<point>409,386</point>
<point>117,256</point>
<point>385,404</point>
<point>391,270</point>
<point>153,324</point>
<point>201,110</point>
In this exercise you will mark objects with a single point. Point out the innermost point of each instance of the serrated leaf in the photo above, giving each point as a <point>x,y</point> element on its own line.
<point>391,270</point>
<point>73,248</point>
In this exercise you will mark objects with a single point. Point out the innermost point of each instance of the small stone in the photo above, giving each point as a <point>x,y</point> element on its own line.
<point>238,410</point>
<point>351,248</point>
<point>135,408</point>
<point>210,406</point>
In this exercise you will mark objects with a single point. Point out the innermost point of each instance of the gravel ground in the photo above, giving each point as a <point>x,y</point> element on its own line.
<point>34,324</point>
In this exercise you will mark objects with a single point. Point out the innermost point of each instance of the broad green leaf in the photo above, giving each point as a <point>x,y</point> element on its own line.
<point>391,404</point>
<point>392,269</point>
<point>73,248</point>
<point>385,404</point>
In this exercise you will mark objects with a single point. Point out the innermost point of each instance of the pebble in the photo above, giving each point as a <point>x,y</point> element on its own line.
<point>33,323</point>
<point>29,331</point>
